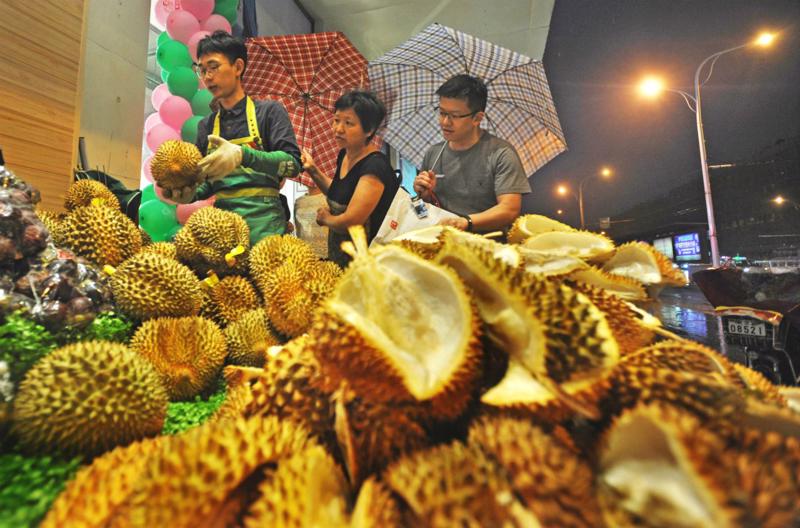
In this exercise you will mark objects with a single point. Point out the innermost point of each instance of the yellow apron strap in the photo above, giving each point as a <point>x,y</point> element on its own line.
<point>252,126</point>
<point>248,192</point>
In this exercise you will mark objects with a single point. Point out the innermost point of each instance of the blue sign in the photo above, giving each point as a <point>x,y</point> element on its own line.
<point>687,247</point>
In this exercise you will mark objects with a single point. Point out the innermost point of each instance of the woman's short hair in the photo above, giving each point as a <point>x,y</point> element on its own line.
<point>369,109</point>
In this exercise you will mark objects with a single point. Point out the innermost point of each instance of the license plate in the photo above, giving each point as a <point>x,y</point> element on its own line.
<point>745,327</point>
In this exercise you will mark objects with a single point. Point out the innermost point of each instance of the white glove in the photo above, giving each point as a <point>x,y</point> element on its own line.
<point>224,160</point>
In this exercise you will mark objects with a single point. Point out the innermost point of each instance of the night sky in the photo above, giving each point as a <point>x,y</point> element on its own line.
<point>596,53</point>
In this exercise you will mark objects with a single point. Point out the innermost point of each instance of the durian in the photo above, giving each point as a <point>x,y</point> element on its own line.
<point>644,263</point>
<point>306,490</point>
<point>86,192</point>
<point>248,339</point>
<point>174,165</point>
<point>148,285</point>
<point>52,221</point>
<point>375,507</point>
<point>528,225</point>
<point>424,242</point>
<point>400,328</point>
<point>756,385</point>
<point>87,398</point>
<point>233,296</point>
<point>274,251</point>
<point>623,287</point>
<point>101,234</point>
<point>549,265</point>
<point>187,352</point>
<point>294,295</point>
<point>165,249</point>
<point>214,240</point>
<point>579,244</point>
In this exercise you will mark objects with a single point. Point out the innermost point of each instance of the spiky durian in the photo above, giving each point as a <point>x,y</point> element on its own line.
<point>307,489</point>
<point>685,356</point>
<point>85,192</point>
<point>101,234</point>
<point>274,251</point>
<point>758,386</point>
<point>662,467</point>
<point>549,265</point>
<point>294,295</point>
<point>148,285</point>
<point>248,339</point>
<point>202,477</point>
<point>187,352</point>
<point>87,398</point>
<point>232,296</point>
<point>579,244</point>
<point>165,249</point>
<point>456,485</point>
<point>214,240</point>
<point>552,479</point>
<point>792,397</point>
<point>424,242</point>
<point>174,165</point>
<point>375,507</point>
<point>96,496</point>
<point>400,328</point>
<point>52,221</point>
<point>558,343</point>
<point>146,239</point>
<point>372,434</point>
<point>623,287</point>
<point>532,224</point>
<point>644,263</point>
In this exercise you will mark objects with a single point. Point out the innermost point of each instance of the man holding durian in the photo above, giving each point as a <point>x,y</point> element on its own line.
<point>249,146</point>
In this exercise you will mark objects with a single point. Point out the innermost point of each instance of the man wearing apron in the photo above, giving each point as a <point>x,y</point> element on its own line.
<point>249,146</point>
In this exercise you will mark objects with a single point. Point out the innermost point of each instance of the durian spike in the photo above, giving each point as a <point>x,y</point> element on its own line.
<point>359,237</point>
<point>344,438</point>
<point>235,374</point>
<point>493,234</point>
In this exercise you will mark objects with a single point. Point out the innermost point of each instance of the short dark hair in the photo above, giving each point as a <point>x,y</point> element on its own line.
<point>369,109</point>
<point>223,42</point>
<point>467,87</point>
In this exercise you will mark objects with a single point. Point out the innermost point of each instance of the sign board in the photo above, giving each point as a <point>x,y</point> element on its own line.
<point>687,247</point>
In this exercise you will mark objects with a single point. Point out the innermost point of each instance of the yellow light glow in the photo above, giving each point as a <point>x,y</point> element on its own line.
<point>562,190</point>
<point>605,172</point>
<point>779,199</point>
<point>765,39</point>
<point>560,211</point>
<point>651,87</point>
<point>602,232</point>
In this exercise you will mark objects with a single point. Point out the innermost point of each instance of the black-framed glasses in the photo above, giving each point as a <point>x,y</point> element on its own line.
<point>452,117</point>
<point>201,71</point>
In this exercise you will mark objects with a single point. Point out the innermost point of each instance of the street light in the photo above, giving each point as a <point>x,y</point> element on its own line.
<point>652,86</point>
<point>605,172</point>
<point>780,200</point>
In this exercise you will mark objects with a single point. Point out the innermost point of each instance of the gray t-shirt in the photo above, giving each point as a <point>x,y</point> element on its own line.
<point>473,178</point>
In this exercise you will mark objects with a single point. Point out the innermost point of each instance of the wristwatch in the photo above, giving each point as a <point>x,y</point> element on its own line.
<point>469,223</point>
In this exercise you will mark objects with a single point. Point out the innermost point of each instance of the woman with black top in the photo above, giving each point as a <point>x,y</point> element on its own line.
<point>364,185</point>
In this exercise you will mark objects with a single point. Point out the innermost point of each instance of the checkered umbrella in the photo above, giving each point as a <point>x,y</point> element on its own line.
<point>519,110</point>
<point>307,73</point>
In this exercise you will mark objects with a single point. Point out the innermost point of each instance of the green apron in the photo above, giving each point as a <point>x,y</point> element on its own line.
<point>246,192</point>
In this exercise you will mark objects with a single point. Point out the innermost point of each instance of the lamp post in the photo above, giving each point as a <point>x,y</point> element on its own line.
<point>605,172</point>
<point>650,87</point>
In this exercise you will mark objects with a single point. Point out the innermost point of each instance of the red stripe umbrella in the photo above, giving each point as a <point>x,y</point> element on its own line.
<point>307,73</point>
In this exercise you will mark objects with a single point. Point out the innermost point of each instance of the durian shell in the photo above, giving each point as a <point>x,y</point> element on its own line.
<point>528,225</point>
<point>290,306</point>
<point>579,244</point>
<point>233,296</point>
<point>623,287</point>
<point>425,242</point>
<point>274,251</point>
<point>87,398</point>
<point>83,192</point>
<point>759,387</point>
<point>208,236</point>
<point>148,285</point>
<point>653,260</point>
<point>101,234</point>
<point>248,339</point>
<point>685,356</point>
<point>549,265</point>
<point>375,507</point>
<point>165,249</point>
<point>52,221</point>
<point>174,165</point>
<point>187,352</point>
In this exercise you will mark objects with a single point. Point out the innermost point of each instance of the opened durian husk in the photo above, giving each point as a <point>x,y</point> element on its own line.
<point>686,356</point>
<point>644,263</point>
<point>559,345</point>
<point>792,397</point>
<point>759,387</point>
<point>375,507</point>
<point>424,242</point>
<point>623,287</point>
<point>549,265</point>
<point>584,245</point>
<point>528,225</point>
<point>400,328</point>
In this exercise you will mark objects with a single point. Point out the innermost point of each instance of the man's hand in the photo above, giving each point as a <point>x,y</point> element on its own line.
<point>425,183</point>
<point>458,222</point>
<point>184,195</point>
<point>224,160</point>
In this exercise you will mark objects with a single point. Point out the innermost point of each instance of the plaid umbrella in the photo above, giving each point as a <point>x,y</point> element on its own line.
<point>519,110</point>
<point>307,73</point>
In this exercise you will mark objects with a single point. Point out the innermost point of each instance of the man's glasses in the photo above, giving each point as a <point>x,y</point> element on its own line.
<point>202,71</point>
<point>447,116</point>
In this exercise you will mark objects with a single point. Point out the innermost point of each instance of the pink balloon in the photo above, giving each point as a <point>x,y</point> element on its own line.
<point>193,40</point>
<point>160,193</point>
<point>159,134</point>
<point>174,111</point>
<point>160,93</point>
<point>161,11</point>
<point>181,25</point>
<point>151,121</point>
<point>146,170</point>
<point>216,23</point>
<point>201,9</point>
<point>184,211</point>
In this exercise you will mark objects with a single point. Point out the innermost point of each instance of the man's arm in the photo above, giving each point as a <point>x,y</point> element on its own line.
<point>497,217</point>
<point>279,131</point>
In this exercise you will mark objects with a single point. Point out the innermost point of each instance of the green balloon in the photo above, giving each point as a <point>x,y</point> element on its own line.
<point>172,55</point>
<point>201,101</point>
<point>164,75</point>
<point>230,10</point>
<point>189,129</point>
<point>148,193</point>
<point>163,37</point>
<point>158,219</point>
<point>182,81</point>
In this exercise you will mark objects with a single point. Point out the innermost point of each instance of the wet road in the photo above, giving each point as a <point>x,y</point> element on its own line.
<point>687,313</point>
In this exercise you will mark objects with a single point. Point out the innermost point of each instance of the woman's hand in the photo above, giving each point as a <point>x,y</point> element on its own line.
<point>307,161</point>
<point>323,215</point>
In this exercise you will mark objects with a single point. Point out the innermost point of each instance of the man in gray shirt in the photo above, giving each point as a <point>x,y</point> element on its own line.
<point>472,173</point>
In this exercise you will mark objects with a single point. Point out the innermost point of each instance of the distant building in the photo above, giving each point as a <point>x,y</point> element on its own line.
<point>749,222</point>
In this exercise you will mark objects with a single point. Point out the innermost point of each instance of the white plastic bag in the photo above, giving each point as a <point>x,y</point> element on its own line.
<point>401,218</point>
